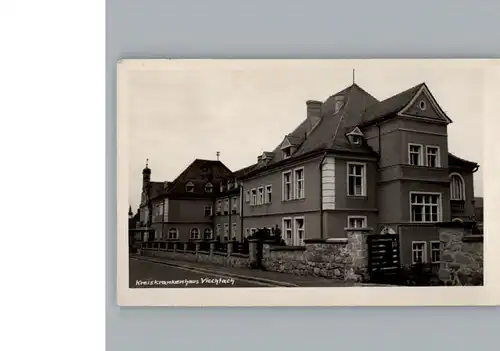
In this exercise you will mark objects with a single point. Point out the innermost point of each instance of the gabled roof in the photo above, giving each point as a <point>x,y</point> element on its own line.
<point>391,105</point>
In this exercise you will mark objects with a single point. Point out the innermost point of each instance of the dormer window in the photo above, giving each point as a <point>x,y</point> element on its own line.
<point>339,103</point>
<point>190,187</point>
<point>209,188</point>
<point>355,137</point>
<point>287,153</point>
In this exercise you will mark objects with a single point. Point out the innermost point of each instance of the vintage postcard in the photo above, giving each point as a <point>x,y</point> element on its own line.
<point>305,183</point>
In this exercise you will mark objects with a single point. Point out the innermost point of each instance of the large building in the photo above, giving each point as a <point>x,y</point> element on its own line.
<point>354,161</point>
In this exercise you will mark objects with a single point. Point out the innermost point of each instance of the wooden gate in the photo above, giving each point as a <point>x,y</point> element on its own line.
<point>383,257</point>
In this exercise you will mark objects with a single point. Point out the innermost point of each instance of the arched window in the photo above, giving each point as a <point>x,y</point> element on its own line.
<point>173,233</point>
<point>457,220</point>
<point>208,233</point>
<point>195,233</point>
<point>457,189</point>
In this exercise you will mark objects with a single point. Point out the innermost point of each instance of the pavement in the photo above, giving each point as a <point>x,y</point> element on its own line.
<point>155,268</point>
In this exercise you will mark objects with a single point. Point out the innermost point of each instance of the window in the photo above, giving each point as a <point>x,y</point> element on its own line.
<point>217,230</point>
<point>195,233</point>
<point>190,187</point>
<point>173,233</point>
<point>356,222</point>
<point>425,207</point>
<point>233,231</point>
<point>418,249</point>
<point>422,105</point>
<point>253,199</point>
<point>287,153</point>
<point>457,191</point>
<point>226,231</point>
<point>235,205</point>
<point>219,206</point>
<point>208,210</point>
<point>269,193</point>
<point>299,231</point>
<point>432,153</point>
<point>356,179</point>
<point>247,196</point>
<point>435,251</point>
<point>260,197</point>
<point>226,206</point>
<point>208,233</point>
<point>209,187</point>
<point>299,183</point>
<point>287,186</point>
<point>287,230</point>
<point>415,154</point>
<point>253,230</point>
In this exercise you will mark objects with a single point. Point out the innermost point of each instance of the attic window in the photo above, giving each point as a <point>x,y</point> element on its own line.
<point>287,153</point>
<point>209,187</point>
<point>356,139</point>
<point>422,105</point>
<point>190,187</point>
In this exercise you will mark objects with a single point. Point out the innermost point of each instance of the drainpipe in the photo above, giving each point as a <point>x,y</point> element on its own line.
<point>241,210</point>
<point>321,195</point>
<point>229,234</point>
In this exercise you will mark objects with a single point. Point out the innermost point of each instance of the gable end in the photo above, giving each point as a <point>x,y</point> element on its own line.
<point>424,106</point>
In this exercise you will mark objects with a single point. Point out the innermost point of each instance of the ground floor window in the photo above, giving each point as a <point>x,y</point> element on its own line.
<point>418,252</point>
<point>208,233</point>
<point>173,233</point>
<point>435,251</point>
<point>195,233</point>
<point>287,231</point>
<point>299,229</point>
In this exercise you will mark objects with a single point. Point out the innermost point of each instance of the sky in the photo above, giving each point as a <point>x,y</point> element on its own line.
<point>180,110</point>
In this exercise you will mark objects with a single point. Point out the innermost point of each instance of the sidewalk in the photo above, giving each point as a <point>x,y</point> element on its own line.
<point>275,278</point>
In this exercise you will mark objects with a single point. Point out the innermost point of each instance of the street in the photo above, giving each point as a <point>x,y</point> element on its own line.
<point>143,274</point>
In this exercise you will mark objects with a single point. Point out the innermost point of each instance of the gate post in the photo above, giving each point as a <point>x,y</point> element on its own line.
<point>358,250</point>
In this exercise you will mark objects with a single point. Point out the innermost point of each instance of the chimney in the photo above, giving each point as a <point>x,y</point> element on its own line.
<point>313,112</point>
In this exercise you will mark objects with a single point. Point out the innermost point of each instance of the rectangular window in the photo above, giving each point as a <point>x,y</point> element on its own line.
<point>287,231</point>
<point>226,206</point>
<point>219,206</point>
<point>298,177</point>
<point>217,230</point>
<point>432,153</point>
<point>299,231</point>
<point>415,154</point>
<point>208,210</point>
<point>435,251</point>
<point>269,193</point>
<point>233,231</point>
<point>260,196</point>
<point>253,199</point>
<point>247,196</point>
<point>425,208</point>
<point>226,230</point>
<point>356,222</point>
<point>287,186</point>
<point>287,153</point>
<point>356,179</point>
<point>418,249</point>
<point>235,205</point>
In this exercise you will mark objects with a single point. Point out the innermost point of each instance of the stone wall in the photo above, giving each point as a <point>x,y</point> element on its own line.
<point>340,258</point>
<point>461,255</point>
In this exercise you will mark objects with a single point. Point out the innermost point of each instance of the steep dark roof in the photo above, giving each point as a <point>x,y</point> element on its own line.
<point>200,172</point>
<point>244,171</point>
<point>390,105</point>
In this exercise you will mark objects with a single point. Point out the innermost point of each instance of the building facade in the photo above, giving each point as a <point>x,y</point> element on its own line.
<point>354,161</point>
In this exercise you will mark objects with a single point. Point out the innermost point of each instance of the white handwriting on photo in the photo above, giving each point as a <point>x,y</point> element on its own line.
<point>186,282</point>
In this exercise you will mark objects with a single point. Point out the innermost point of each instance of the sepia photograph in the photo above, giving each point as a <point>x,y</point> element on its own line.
<point>301,174</point>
